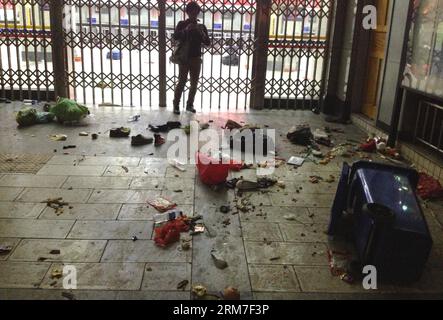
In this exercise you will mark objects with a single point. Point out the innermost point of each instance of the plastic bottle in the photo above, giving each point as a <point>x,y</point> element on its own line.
<point>167,216</point>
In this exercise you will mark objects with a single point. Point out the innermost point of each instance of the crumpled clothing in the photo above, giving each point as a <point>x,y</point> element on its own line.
<point>429,187</point>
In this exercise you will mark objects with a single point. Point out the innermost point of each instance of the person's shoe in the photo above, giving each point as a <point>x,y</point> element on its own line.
<point>140,140</point>
<point>191,109</point>
<point>157,129</point>
<point>177,110</point>
<point>119,132</point>
<point>158,140</point>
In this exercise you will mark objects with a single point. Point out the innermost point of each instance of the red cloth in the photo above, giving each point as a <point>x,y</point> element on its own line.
<point>370,146</point>
<point>429,188</point>
<point>170,231</point>
<point>212,171</point>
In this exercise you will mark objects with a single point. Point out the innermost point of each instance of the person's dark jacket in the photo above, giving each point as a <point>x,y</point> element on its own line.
<point>196,37</point>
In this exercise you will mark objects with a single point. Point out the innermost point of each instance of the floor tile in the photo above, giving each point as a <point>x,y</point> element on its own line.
<point>144,251</point>
<point>258,231</point>
<point>24,228</point>
<point>273,278</point>
<point>70,250</point>
<point>42,194</point>
<point>286,253</point>
<point>28,180</point>
<point>9,193</point>
<point>101,276</point>
<point>165,276</point>
<point>97,183</point>
<point>59,170</point>
<point>82,211</point>
<point>19,210</point>
<point>22,274</point>
<point>118,230</point>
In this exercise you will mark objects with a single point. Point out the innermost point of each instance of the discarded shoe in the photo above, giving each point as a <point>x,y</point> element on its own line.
<point>119,132</point>
<point>247,185</point>
<point>158,140</point>
<point>170,125</point>
<point>140,140</point>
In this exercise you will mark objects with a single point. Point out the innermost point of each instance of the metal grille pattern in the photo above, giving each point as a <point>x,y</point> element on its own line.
<point>112,47</point>
<point>116,51</point>
<point>297,52</point>
<point>226,75</point>
<point>26,52</point>
<point>429,126</point>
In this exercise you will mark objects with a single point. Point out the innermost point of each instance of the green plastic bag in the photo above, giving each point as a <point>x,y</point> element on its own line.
<point>67,110</point>
<point>26,117</point>
<point>44,117</point>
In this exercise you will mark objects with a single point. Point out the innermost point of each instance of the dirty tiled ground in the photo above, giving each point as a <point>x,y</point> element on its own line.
<point>268,256</point>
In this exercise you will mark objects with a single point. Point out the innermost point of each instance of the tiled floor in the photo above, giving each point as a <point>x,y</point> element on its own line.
<point>268,256</point>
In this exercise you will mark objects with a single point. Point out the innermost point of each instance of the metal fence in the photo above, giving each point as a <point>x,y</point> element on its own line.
<point>117,52</point>
<point>429,126</point>
<point>25,50</point>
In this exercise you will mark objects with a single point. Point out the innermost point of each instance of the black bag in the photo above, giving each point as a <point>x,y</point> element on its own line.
<point>180,55</point>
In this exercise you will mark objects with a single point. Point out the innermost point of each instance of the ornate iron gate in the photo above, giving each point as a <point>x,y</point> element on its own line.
<point>298,43</point>
<point>116,52</point>
<point>25,50</point>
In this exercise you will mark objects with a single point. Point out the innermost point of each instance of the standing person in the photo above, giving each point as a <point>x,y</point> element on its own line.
<point>197,34</point>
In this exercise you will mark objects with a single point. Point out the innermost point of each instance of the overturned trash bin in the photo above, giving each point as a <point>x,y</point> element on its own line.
<point>376,207</point>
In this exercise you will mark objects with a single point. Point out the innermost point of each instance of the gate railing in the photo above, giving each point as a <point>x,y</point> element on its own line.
<point>263,53</point>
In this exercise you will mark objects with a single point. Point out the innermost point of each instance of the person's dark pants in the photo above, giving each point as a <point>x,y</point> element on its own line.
<point>193,69</point>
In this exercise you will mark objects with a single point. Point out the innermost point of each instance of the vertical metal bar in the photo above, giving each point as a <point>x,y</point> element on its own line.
<point>317,41</point>
<point>326,54</point>
<point>231,12</point>
<point>294,10</point>
<point>73,40</point>
<point>120,40</point>
<point>310,53</point>
<point>240,52</point>
<point>91,37</point>
<point>100,31</point>
<point>35,41</point>
<point>130,45</point>
<point>111,47</point>
<point>19,71</point>
<point>300,55</point>
<point>425,123</point>
<point>221,55</point>
<point>433,125</point>
<point>212,52</point>
<point>162,52</point>
<point>441,136</point>
<point>141,43</point>
<point>56,14</point>
<point>276,50</point>
<point>27,44</point>
<point>418,120</point>
<point>285,14</point>
<point>202,69</point>
<point>8,49</point>
<point>250,52</point>
<point>82,58</point>
<point>260,54</point>
<point>45,43</point>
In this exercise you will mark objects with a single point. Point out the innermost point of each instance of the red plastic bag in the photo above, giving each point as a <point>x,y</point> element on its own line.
<point>170,232</point>
<point>213,171</point>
